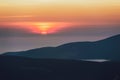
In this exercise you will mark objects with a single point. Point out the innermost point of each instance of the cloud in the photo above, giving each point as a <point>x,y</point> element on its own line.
<point>69,31</point>
<point>90,31</point>
<point>15,32</point>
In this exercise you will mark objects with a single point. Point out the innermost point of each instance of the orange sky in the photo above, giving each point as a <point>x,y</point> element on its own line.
<point>84,12</point>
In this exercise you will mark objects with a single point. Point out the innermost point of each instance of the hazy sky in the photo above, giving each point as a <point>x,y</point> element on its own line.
<point>26,24</point>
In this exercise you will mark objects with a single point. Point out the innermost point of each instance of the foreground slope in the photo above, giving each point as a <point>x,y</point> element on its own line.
<point>20,68</point>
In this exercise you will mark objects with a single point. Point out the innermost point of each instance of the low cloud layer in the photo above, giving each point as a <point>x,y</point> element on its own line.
<point>91,31</point>
<point>15,32</point>
<point>69,31</point>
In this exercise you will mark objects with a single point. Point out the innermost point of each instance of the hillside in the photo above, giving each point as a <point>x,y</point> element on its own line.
<point>20,68</point>
<point>104,49</point>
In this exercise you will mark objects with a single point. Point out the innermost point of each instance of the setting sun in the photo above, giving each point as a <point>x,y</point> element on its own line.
<point>45,28</point>
<point>44,33</point>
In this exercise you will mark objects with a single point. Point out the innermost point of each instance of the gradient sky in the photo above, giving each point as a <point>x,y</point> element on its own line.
<point>26,24</point>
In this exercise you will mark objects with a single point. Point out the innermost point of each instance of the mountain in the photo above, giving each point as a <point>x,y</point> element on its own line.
<point>70,61</point>
<point>22,68</point>
<point>108,48</point>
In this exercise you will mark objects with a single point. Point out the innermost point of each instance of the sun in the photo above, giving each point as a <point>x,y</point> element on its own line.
<point>44,33</point>
<point>44,28</point>
<point>49,28</point>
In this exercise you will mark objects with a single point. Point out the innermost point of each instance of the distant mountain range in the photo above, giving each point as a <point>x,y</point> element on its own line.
<point>104,49</point>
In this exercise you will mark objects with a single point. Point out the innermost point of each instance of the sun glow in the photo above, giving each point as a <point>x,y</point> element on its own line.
<point>43,28</point>
<point>46,28</point>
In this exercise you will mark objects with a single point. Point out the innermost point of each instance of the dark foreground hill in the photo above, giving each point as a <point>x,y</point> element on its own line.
<point>20,68</point>
<point>104,49</point>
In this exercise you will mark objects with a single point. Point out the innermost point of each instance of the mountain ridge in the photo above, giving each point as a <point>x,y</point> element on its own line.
<point>108,48</point>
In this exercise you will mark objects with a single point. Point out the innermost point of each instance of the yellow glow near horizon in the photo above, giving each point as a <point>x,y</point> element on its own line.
<point>44,28</point>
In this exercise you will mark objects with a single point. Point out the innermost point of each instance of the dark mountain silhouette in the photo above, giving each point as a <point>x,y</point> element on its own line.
<point>104,49</point>
<point>21,68</point>
<point>63,62</point>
